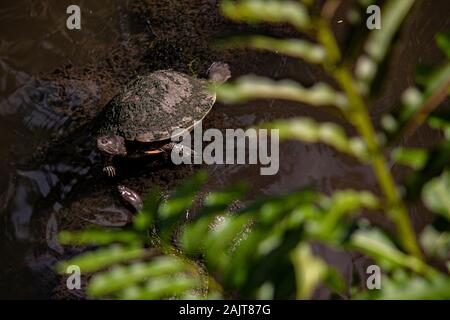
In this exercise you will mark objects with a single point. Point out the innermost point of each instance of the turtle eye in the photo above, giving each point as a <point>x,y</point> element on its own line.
<point>104,141</point>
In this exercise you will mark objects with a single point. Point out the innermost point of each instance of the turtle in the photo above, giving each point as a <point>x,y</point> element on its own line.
<point>140,120</point>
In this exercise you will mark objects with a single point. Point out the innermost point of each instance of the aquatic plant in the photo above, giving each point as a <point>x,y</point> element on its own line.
<point>263,250</point>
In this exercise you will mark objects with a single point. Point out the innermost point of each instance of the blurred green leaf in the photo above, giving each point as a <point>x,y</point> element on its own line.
<point>193,235</point>
<point>178,204</point>
<point>181,199</point>
<point>102,258</point>
<point>243,259</point>
<point>424,73</point>
<point>403,286</point>
<point>375,244</point>
<point>221,238</point>
<point>300,215</point>
<point>438,159</point>
<point>270,210</point>
<point>436,195</point>
<point>224,198</point>
<point>146,218</point>
<point>395,122</point>
<point>99,237</point>
<point>296,48</point>
<point>417,105</point>
<point>121,277</point>
<point>265,291</point>
<point>443,41</point>
<point>161,287</point>
<point>438,79</point>
<point>308,130</point>
<point>440,121</point>
<point>334,280</point>
<point>273,11</point>
<point>309,271</point>
<point>215,203</point>
<point>253,87</point>
<point>414,158</point>
<point>333,224</point>
<point>436,244</point>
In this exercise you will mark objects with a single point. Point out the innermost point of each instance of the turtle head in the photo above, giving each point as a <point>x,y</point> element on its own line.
<point>111,145</point>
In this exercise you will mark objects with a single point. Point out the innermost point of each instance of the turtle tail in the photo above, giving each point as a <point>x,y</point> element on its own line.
<point>219,72</point>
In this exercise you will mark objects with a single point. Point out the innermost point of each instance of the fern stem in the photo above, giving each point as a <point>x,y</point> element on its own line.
<point>359,117</point>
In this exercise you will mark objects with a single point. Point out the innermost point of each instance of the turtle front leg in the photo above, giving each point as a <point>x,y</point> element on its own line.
<point>111,146</point>
<point>108,167</point>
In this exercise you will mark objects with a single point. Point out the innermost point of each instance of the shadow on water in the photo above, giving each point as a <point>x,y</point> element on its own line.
<point>34,41</point>
<point>47,163</point>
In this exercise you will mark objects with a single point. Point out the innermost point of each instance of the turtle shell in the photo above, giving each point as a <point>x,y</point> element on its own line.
<point>152,106</point>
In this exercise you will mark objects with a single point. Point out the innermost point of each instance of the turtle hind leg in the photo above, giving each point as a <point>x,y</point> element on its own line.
<point>173,146</point>
<point>131,198</point>
<point>219,72</point>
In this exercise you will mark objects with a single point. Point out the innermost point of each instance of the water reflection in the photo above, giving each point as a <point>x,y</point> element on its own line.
<point>34,40</point>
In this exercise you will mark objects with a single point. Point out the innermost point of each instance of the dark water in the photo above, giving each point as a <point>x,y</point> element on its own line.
<point>34,193</point>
